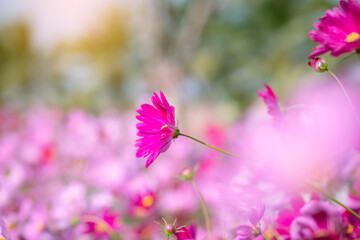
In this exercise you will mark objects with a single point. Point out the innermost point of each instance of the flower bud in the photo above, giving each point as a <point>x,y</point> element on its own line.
<point>170,229</point>
<point>187,174</point>
<point>318,64</point>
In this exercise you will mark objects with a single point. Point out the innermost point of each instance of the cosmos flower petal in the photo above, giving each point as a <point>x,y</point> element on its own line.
<point>338,32</point>
<point>156,128</point>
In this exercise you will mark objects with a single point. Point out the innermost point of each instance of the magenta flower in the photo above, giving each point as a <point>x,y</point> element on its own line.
<point>318,64</point>
<point>318,220</point>
<point>157,129</point>
<point>270,100</point>
<point>339,31</point>
<point>247,232</point>
<point>184,233</point>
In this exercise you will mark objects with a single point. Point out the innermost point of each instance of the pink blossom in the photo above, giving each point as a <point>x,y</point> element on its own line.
<point>184,233</point>
<point>270,100</point>
<point>246,232</point>
<point>36,224</point>
<point>157,128</point>
<point>143,205</point>
<point>104,225</point>
<point>338,31</point>
<point>318,220</point>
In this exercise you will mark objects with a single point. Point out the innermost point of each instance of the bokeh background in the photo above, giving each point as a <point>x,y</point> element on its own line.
<point>73,73</point>
<point>108,54</point>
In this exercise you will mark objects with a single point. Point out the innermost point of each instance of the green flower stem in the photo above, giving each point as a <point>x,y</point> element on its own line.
<point>168,237</point>
<point>346,95</point>
<point>217,149</point>
<point>334,200</point>
<point>203,208</point>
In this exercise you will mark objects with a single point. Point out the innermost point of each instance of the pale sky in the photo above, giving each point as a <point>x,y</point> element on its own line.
<point>52,20</point>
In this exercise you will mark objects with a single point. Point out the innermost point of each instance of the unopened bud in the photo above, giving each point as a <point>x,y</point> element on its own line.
<point>318,64</point>
<point>187,174</point>
<point>170,229</point>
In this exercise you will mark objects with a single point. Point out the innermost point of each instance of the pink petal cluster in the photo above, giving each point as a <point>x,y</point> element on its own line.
<point>157,128</point>
<point>338,32</point>
<point>270,100</point>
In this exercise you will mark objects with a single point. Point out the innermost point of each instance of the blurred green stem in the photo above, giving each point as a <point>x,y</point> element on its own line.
<point>203,208</point>
<point>334,200</point>
<point>208,145</point>
<point>346,95</point>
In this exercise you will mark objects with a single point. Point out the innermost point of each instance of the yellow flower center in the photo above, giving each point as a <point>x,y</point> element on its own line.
<point>164,126</point>
<point>350,228</point>
<point>41,227</point>
<point>11,226</point>
<point>101,227</point>
<point>147,201</point>
<point>352,37</point>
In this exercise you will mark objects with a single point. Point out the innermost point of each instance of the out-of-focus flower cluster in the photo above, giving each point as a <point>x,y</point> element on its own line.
<point>74,176</point>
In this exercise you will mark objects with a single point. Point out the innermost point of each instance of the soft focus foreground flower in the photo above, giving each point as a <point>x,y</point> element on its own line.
<point>157,128</point>
<point>318,64</point>
<point>270,100</point>
<point>307,144</point>
<point>184,233</point>
<point>245,232</point>
<point>339,31</point>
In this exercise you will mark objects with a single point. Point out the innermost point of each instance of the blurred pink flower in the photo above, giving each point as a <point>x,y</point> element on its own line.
<point>309,145</point>
<point>246,232</point>
<point>288,215</point>
<point>184,233</point>
<point>36,224</point>
<point>144,204</point>
<point>318,220</point>
<point>103,226</point>
<point>157,128</point>
<point>339,31</point>
<point>270,100</point>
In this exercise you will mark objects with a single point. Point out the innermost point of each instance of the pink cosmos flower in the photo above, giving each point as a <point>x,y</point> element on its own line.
<point>270,100</point>
<point>102,226</point>
<point>255,215</point>
<point>143,204</point>
<point>339,31</point>
<point>157,128</point>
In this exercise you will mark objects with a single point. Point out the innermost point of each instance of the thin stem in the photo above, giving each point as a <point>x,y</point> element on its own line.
<point>334,200</point>
<point>203,208</point>
<point>217,149</point>
<point>168,237</point>
<point>346,94</point>
<point>300,105</point>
